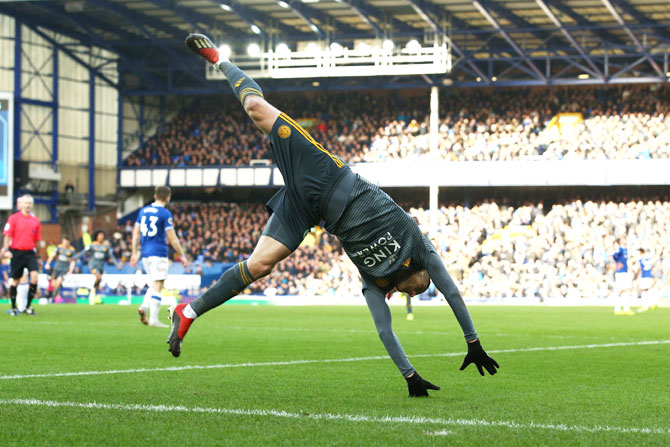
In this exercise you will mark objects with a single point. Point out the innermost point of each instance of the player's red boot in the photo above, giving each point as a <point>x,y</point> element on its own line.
<point>180,325</point>
<point>203,47</point>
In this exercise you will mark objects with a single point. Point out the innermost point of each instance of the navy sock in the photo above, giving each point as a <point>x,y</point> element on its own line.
<point>232,282</point>
<point>12,296</point>
<point>240,82</point>
<point>32,289</point>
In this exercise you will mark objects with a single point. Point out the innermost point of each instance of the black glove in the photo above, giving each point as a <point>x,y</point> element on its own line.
<point>418,386</point>
<point>479,357</point>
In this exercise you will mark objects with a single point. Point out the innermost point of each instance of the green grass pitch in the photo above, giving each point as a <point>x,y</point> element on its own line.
<point>320,376</point>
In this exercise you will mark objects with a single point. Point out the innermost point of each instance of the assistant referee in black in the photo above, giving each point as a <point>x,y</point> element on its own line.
<point>21,232</point>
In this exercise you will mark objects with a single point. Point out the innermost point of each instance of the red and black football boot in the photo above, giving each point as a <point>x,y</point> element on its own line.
<point>180,325</point>
<point>203,47</point>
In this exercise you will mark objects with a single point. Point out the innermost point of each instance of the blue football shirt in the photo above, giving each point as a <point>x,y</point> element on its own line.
<point>621,256</point>
<point>645,267</point>
<point>154,221</point>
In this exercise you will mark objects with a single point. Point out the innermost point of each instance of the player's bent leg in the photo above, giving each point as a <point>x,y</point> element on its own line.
<point>32,290</point>
<point>266,255</point>
<point>247,91</point>
<point>155,304</point>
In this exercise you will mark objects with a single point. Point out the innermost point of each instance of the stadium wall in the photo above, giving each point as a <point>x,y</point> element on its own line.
<point>53,99</point>
<point>421,174</point>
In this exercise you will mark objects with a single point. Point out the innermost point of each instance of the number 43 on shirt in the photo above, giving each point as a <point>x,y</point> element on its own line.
<point>151,229</point>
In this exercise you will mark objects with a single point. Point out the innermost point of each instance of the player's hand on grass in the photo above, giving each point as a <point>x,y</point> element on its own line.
<point>418,386</point>
<point>480,358</point>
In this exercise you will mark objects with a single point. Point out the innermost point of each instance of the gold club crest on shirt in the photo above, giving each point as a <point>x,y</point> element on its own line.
<point>284,132</point>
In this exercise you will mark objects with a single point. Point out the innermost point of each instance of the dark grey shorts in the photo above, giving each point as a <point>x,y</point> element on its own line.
<point>59,272</point>
<point>291,236</point>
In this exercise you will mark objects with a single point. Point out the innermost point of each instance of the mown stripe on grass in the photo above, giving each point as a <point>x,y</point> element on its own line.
<point>339,417</point>
<point>313,361</point>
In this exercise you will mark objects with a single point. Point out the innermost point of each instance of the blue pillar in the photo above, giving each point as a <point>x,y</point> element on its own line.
<point>141,121</point>
<point>119,138</point>
<point>91,140</point>
<point>17,91</point>
<point>55,132</point>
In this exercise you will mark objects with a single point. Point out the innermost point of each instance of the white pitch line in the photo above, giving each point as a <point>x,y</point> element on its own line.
<point>340,417</point>
<point>313,361</point>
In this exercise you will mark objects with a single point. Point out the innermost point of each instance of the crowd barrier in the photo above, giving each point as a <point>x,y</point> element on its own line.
<point>422,173</point>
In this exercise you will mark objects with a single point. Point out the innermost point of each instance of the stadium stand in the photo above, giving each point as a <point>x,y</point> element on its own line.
<point>493,250</point>
<point>615,122</point>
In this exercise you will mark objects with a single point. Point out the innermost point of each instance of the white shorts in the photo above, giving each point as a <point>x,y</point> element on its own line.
<point>622,281</point>
<point>156,267</point>
<point>645,283</point>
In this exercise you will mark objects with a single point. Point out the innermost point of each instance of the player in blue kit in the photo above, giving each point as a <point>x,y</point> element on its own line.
<point>645,282</point>
<point>153,229</point>
<point>623,285</point>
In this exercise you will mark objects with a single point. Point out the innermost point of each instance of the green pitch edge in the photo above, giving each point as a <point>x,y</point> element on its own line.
<point>137,299</point>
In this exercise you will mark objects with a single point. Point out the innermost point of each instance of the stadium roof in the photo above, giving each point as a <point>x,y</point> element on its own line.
<point>531,42</point>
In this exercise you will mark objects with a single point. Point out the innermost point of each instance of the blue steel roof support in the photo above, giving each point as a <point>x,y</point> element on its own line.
<point>367,18</point>
<point>195,18</point>
<point>568,36</point>
<point>308,15</point>
<point>138,23</point>
<point>37,73</point>
<point>55,96</point>
<point>507,37</point>
<point>26,20</point>
<point>635,63</point>
<point>634,38</point>
<point>584,23</point>
<point>371,12</point>
<point>18,69</point>
<point>516,20</point>
<point>91,140</point>
<point>34,22</point>
<point>641,18</point>
<point>419,7</point>
<point>247,15</point>
<point>101,42</point>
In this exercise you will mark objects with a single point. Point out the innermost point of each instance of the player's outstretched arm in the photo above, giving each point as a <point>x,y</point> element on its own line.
<point>81,253</point>
<point>174,241</point>
<point>6,242</point>
<point>375,298</point>
<point>247,91</point>
<point>476,354</point>
<point>50,260</point>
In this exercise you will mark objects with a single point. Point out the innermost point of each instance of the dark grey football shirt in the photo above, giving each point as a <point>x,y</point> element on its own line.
<point>63,259</point>
<point>381,239</point>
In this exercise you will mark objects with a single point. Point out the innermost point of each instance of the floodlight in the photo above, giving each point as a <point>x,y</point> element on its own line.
<point>225,51</point>
<point>253,50</point>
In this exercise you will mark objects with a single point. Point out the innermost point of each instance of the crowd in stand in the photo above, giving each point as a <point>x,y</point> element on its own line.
<point>622,122</point>
<point>565,251</point>
<point>492,250</point>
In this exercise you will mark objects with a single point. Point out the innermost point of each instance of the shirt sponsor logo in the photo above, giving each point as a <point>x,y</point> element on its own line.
<point>384,249</point>
<point>7,226</point>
